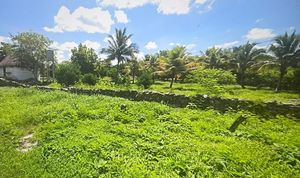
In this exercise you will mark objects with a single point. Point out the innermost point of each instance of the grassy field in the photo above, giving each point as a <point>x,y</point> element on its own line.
<point>228,91</point>
<point>91,136</point>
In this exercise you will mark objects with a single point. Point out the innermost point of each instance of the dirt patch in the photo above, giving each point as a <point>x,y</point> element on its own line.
<point>26,143</point>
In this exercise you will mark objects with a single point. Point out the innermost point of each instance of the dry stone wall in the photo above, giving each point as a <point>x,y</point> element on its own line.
<point>199,101</point>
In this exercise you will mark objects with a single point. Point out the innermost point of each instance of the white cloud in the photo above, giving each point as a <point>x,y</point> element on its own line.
<point>260,34</point>
<point>106,39</point>
<point>261,46</point>
<point>91,20</point>
<point>292,28</point>
<point>259,20</point>
<point>122,4</point>
<point>206,5</point>
<point>175,44</point>
<point>121,16</point>
<point>139,56</point>
<point>151,45</point>
<point>163,6</point>
<point>5,39</point>
<point>201,1</point>
<point>174,7</point>
<point>129,42</point>
<point>190,46</point>
<point>92,44</point>
<point>63,50</point>
<point>227,45</point>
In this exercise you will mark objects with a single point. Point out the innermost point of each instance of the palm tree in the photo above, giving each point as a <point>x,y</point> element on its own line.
<point>175,63</point>
<point>134,68</point>
<point>120,48</point>
<point>285,52</point>
<point>245,57</point>
<point>213,56</point>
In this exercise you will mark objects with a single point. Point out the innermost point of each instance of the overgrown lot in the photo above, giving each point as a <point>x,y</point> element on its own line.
<point>97,136</point>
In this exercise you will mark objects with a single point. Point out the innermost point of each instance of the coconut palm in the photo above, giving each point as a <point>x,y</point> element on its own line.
<point>285,52</point>
<point>213,56</point>
<point>245,57</point>
<point>134,68</point>
<point>120,48</point>
<point>175,64</point>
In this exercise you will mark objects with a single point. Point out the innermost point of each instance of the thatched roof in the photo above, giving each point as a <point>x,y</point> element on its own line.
<point>9,61</point>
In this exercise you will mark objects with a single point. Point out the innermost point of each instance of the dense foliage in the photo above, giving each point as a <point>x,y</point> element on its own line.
<point>89,79</point>
<point>5,49</point>
<point>67,74</point>
<point>219,76</point>
<point>85,58</point>
<point>31,50</point>
<point>286,53</point>
<point>97,136</point>
<point>275,66</point>
<point>212,79</point>
<point>145,80</point>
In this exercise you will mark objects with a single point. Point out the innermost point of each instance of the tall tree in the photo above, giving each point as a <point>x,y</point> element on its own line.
<point>245,57</point>
<point>151,61</point>
<point>175,65</point>
<point>31,49</point>
<point>285,52</point>
<point>120,48</point>
<point>134,68</point>
<point>213,57</point>
<point>85,58</point>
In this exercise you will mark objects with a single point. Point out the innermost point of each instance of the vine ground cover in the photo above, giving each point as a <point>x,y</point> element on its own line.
<point>99,136</point>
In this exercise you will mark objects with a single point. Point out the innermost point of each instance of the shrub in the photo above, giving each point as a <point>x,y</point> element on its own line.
<point>219,76</point>
<point>67,74</point>
<point>212,79</point>
<point>89,79</point>
<point>122,80</point>
<point>269,78</point>
<point>145,80</point>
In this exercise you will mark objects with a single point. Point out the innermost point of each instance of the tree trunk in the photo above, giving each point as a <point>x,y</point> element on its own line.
<point>133,78</point>
<point>35,72</point>
<point>172,81</point>
<point>278,87</point>
<point>236,123</point>
<point>4,72</point>
<point>118,71</point>
<point>118,68</point>
<point>242,78</point>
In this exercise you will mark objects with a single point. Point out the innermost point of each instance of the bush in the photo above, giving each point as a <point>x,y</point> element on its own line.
<point>122,80</point>
<point>219,76</point>
<point>67,74</point>
<point>269,78</point>
<point>89,79</point>
<point>145,80</point>
<point>212,79</point>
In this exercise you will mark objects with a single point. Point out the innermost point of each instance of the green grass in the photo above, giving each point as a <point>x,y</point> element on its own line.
<point>228,91</point>
<point>90,136</point>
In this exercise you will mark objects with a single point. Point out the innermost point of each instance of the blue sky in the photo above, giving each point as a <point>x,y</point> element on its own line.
<point>155,24</point>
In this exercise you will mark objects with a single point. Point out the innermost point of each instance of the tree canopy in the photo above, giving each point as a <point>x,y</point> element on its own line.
<point>85,58</point>
<point>30,49</point>
<point>120,47</point>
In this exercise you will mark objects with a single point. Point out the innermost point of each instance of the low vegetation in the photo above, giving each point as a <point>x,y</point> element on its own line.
<point>56,134</point>
<point>97,136</point>
<point>227,91</point>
